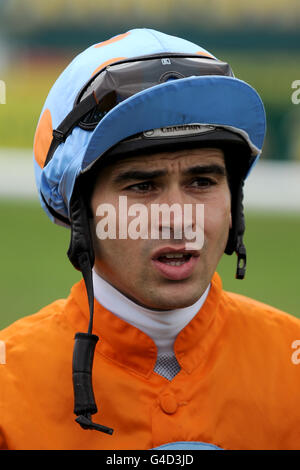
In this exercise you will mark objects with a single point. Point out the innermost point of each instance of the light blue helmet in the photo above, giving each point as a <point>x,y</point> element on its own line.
<point>208,99</point>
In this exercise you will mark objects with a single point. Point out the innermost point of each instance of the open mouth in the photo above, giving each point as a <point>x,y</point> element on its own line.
<point>174,264</point>
<point>174,259</point>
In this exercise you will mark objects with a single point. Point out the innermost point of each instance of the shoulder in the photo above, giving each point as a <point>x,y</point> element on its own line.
<point>35,357</point>
<point>260,323</point>
<point>255,309</point>
<point>55,316</point>
<point>31,344</point>
<point>28,326</point>
<point>43,336</point>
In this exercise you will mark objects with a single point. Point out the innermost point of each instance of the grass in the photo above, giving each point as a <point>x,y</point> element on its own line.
<point>273,258</point>
<point>271,74</point>
<point>36,271</point>
<point>27,86</point>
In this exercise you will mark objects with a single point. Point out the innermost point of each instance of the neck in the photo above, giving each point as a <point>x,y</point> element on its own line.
<point>161,325</point>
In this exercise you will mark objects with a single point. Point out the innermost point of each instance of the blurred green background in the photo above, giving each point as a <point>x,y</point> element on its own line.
<point>261,41</point>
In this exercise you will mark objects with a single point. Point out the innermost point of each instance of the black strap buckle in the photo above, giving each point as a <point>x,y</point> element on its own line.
<point>86,423</point>
<point>241,261</point>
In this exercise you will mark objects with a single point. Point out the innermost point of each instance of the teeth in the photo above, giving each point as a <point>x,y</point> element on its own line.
<point>175,259</point>
<point>175,263</point>
<point>174,255</point>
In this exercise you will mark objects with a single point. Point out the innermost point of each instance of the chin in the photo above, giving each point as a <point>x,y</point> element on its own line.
<point>174,305</point>
<point>173,300</point>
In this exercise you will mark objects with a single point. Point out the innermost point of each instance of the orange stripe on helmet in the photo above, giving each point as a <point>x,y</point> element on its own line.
<point>106,63</point>
<point>204,53</point>
<point>43,138</point>
<point>115,39</point>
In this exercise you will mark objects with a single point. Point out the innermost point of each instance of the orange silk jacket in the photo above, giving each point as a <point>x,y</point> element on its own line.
<point>238,387</point>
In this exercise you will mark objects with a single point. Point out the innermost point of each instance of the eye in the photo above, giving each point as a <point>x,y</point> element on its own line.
<point>202,182</point>
<point>141,187</point>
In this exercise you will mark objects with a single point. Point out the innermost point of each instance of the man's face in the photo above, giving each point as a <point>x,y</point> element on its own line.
<point>143,269</point>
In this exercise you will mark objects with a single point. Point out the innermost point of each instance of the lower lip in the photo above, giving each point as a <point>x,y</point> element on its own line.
<point>176,273</point>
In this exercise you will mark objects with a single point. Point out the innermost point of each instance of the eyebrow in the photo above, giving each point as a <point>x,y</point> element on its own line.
<point>139,175</point>
<point>215,169</point>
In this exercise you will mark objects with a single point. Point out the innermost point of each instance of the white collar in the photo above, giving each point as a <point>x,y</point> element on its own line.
<point>162,326</point>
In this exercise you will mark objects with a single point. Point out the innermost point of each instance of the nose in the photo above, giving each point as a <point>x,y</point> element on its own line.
<point>173,216</point>
<point>174,194</point>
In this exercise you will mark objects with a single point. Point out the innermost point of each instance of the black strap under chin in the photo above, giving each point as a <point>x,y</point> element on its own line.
<point>81,255</point>
<point>235,241</point>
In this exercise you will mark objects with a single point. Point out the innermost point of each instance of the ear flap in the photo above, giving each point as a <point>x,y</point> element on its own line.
<point>238,219</point>
<point>81,240</point>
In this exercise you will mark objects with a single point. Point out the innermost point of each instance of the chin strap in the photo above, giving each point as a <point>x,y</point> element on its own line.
<point>235,240</point>
<point>81,255</point>
<point>240,247</point>
<point>241,259</point>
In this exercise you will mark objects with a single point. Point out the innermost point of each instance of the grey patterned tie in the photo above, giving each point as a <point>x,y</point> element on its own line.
<point>167,366</point>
